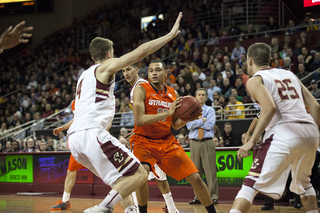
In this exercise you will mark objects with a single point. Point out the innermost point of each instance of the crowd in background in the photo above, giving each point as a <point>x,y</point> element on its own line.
<point>195,58</point>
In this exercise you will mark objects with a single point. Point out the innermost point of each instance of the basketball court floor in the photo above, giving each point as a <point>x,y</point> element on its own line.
<point>41,204</point>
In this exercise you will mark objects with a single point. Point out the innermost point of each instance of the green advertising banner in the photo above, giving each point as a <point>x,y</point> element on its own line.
<point>230,171</point>
<point>17,169</point>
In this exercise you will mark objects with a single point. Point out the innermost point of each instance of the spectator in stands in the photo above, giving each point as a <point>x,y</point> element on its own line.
<point>235,112</point>
<point>302,73</point>
<point>3,129</point>
<point>20,134</point>
<point>214,39</point>
<point>67,116</point>
<point>204,62</point>
<point>227,67</point>
<point>287,63</point>
<point>8,146</point>
<point>243,76</point>
<point>127,117</point>
<point>231,77</point>
<point>168,82</point>
<point>123,131</point>
<point>311,28</point>
<point>48,111</point>
<point>67,101</point>
<point>234,30</point>
<point>293,58</point>
<point>216,96</point>
<point>213,88</point>
<point>298,49</point>
<point>316,63</point>
<point>50,147</point>
<point>291,30</point>
<point>273,26</point>
<point>249,31</point>
<point>286,40</point>
<point>207,82</point>
<point>283,53</point>
<point>276,57</point>
<point>308,59</point>
<point>237,52</point>
<point>182,140</point>
<point>240,87</point>
<point>235,92</point>
<point>226,88</point>
<point>275,48</point>
<point>314,89</point>
<point>303,38</point>
<point>38,125</point>
<point>222,101</point>
<point>226,52</point>
<point>43,146</point>
<point>229,138</point>
<point>263,28</point>
<point>183,45</point>
<point>198,41</point>
<point>202,76</point>
<point>195,57</point>
<point>15,147</point>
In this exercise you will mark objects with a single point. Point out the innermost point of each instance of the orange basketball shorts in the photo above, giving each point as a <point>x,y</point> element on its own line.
<point>167,153</point>
<point>74,165</point>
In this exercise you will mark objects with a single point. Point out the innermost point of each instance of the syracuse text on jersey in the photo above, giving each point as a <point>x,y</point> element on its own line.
<point>159,103</point>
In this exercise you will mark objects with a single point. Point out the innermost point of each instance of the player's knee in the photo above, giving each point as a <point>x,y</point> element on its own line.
<point>309,192</point>
<point>247,193</point>
<point>194,179</point>
<point>142,174</point>
<point>71,174</point>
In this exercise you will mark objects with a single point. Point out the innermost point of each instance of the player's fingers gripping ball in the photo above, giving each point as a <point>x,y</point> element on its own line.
<point>190,109</point>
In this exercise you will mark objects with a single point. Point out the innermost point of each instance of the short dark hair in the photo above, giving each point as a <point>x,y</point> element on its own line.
<point>99,47</point>
<point>135,65</point>
<point>227,123</point>
<point>260,53</point>
<point>161,62</point>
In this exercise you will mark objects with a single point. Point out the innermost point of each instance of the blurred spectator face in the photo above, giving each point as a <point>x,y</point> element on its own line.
<point>28,117</point>
<point>216,102</point>
<point>205,57</point>
<point>8,145</point>
<point>240,71</point>
<point>224,33</point>
<point>291,23</point>
<point>218,56</point>
<point>286,39</point>
<point>181,139</point>
<point>14,145</point>
<point>38,141</point>
<point>304,51</point>
<point>181,80</point>
<point>199,35</point>
<point>228,74</point>
<point>123,131</point>
<point>228,66</point>
<point>243,57</point>
<point>226,59</point>
<point>276,63</point>
<point>37,116</point>
<point>221,141</point>
<point>3,126</point>
<point>317,56</point>
<point>250,27</point>
<point>301,68</point>
<point>314,86</point>
<point>215,95</point>
<point>126,108</point>
<point>48,107</point>
<point>232,100</point>
<point>234,92</point>
<point>215,141</point>
<point>300,59</point>
<point>195,77</point>
<point>30,143</point>
<point>182,40</point>
<point>222,100</point>
<point>188,87</point>
<point>226,82</point>
<point>275,56</point>
<point>43,146</point>
<point>212,68</point>
<point>237,44</point>
<point>286,61</point>
<point>239,82</point>
<point>176,86</point>
<point>213,83</point>
<point>168,81</point>
<point>195,55</point>
<point>198,85</point>
<point>126,100</point>
<point>185,54</point>
<point>227,128</point>
<point>183,131</point>
<point>289,52</point>
<point>243,137</point>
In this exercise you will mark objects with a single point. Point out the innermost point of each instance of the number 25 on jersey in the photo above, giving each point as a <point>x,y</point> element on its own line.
<point>284,88</point>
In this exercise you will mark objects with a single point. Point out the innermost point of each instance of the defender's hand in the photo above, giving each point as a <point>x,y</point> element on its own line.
<point>175,29</point>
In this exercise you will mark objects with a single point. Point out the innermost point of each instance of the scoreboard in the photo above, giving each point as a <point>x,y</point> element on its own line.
<point>11,7</point>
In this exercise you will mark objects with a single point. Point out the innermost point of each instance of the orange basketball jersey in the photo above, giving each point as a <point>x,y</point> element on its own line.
<point>157,102</point>
<point>72,106</point>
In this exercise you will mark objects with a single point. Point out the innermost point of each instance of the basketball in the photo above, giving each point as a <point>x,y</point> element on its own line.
<point>190,108</point>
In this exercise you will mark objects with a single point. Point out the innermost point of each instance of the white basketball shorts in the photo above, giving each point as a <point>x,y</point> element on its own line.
<point>288,146</point>
<point>103,154</point>
<point>159,172</point>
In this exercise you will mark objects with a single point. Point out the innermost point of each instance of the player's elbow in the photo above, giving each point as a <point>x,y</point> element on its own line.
<point>138,122</point>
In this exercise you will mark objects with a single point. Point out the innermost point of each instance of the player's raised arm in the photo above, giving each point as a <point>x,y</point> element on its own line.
<point>312,103</point>
<point>140,118</point>
<point>141,52</point>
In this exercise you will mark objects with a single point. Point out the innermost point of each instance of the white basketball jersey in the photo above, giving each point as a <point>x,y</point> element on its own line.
<point>94,103</point>
<point>286,91</point>
<point>139,80</point>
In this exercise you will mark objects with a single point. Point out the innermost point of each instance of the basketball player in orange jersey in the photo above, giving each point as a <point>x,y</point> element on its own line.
<point>131,75</point>
<point>154,105</point>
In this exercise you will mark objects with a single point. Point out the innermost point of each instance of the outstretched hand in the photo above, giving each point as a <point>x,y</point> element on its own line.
<point>11,37</point>
<point>129,135</point>
<point>175,29</point>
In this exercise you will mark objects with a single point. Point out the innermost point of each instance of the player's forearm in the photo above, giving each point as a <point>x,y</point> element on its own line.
<point>315,113</point>
<point>264,119</point>
<point>252,126</point>
<point>178,124</point>
<point>146,119</point>
<point>67,125</point>
<point>152,46</point>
